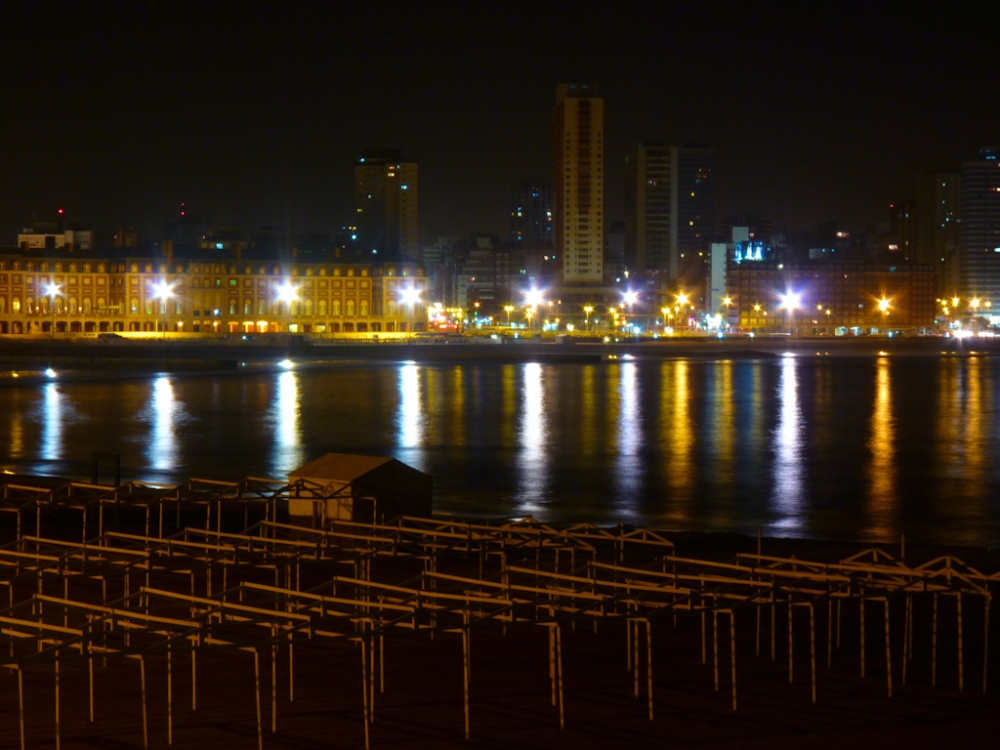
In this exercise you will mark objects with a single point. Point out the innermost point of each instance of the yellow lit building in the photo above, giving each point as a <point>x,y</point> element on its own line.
<point>212,295</point>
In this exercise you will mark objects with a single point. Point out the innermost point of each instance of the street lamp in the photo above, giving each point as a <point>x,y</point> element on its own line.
<point>508,309</point>
<point>410,297</point>
<point>52,290</point>
<point>163,292</point>
<point>790,301</point>
<point>588,309</point>
<point>287,294</point>
<point>883,306</point>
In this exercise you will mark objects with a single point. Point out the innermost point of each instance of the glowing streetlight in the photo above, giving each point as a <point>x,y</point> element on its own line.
<point>534,298</point>
<point>955,301</point>
<point>508,309</point>
<point>883,305</point>
<point>410,297</point>
<point>974,303</point>
<point>682,299</point>
<point>287,294</point>
<point>163,291</point>
<point>52,291</point>
<point>588,309</point>
<point>790,301</point>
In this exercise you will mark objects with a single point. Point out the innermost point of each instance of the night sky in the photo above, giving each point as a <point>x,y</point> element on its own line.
<point>254,114</point>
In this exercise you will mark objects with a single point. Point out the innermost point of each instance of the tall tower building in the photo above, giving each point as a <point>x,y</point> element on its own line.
<point>578,183</point>
<point>385,195</point>
<point>531,213</point>
<point>669,208</point>
<point>979,232</point>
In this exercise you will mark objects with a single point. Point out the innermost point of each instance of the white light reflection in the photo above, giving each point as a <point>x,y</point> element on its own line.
<point>629,465</point>
<point>788,470</point>
<point>165,411</point>
<point>411,423</point>
<point>286,418</point>
<point>532,438</point>
<point>52,423</point>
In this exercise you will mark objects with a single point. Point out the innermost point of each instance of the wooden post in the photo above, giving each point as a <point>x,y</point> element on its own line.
<point>961,660</point>
<point>758,631</point>
<point>791,646</point>
<point>291,668</point>
<point>986,638</point>
<point>934,643</point>
<point>635,658</point>
<point>649,666</point>
<point>58,738</point>
<point>552,659</point>
<point>274,685</point>
<point>812,648</point>
<point>715,646</point>
<point>170,696</point>
<point>256,682</point>
<point>862,601</point>
<point>732,650</point>
<point>364,689</point>
<point>465,676</point>
<point>888,651</point>
<point>703,645</point>
<point>145,718</point>
<point>194,680</point>
<point>774,639</point>
<point>829,633</point>
<point>838,625</point>
<point>559,677</point>
<point>90,680</point>
<point>20,701</point>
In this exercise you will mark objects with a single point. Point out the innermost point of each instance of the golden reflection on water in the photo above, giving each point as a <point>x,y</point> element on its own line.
<point>286,418</point>
<point>588,428</point>
<point>508,408</point>
<point>52,423</point>
<point>411,423</point>
<point>533,436</point>
<point>723,412</point>
<point>675,423</point>
<point>788,444</point>
<point>963,429</point>
<point>162,446</point>
<point>16,436</point>
<point>882,469</point>
<point>459,433</point>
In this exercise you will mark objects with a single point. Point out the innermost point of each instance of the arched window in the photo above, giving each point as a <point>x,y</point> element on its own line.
<point>163,268</point>
<point>336,272</point>
<point>262,307</point>
<point>309,271</point>
<point>72,267</point>
<point>45,266</point>
<point>308,305</point>
<point>15,305</point>
<point>336,307</point>
<point>350,307</point>
<point>86,305</point>
<point>247,270</point>
<point>59,267</point>
<point>100,304</point>
<point>364,307</point>
<point>322,271</point>
<point>135,268</point>
<point>86,268</point>
<point>72,306</point>
<point>390,308</point>
<point>321,308</point>
<point>29,266</point>
<point>148,307</point>
<point>3,305</point>
<point>149,268</point>
<point>247,306</point>
<point>232,307</point>
<point>180,268</point>
<point>364,271</point>
<point>100,268</point>
<point>294,308</point>
<point>43,303</point>
<point>29,305</point>
<point>134,306</point>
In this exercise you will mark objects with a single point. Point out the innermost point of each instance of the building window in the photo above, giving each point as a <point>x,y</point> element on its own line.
<point>350,307</point>
<point>364,307</point>
<point>336,308</point>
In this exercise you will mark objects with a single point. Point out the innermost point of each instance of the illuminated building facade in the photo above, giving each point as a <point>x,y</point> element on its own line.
<point>209,295</point>
<point>832,295</point>
<point>979,233</point>
<point>669,209</point>
<point>385,195</point>
<point>578,183</point>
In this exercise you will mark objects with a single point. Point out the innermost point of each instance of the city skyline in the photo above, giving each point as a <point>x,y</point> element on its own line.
<point>254,117</point>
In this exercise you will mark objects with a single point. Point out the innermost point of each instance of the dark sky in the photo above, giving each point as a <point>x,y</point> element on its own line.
<point>254,114</point>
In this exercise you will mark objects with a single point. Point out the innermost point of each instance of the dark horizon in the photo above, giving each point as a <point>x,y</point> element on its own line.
<point>255,115</point>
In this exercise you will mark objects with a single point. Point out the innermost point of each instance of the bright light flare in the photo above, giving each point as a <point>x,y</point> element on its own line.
<point>409,296</point>
<point>287,364</point>
<point>631,297</point>
<point>50,373</point>
<point>287,293</point>
<point>883,305</point>
<point>790,301</point>
<point>534,298</point>
<point>162,290</point>
<point>683,299</point>
<point>52,290</point>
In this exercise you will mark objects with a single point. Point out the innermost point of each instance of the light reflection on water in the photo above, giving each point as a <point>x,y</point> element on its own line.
<point>788,464</point>
<point>843,448</point>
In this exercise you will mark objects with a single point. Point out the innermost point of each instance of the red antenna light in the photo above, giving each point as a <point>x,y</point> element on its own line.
<point>60,212</point>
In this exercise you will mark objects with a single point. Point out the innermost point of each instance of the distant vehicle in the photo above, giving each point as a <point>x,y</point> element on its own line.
<point>106,336</point>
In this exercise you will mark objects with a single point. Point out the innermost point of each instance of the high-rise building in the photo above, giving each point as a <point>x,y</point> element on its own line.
<point>385,195</point>
<point>669,208</point>
<point>578,184</point>
<point>979,233</point>
<point>531,212</point>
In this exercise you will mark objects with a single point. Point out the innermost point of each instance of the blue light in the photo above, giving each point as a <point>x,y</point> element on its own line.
<point>405,187</point>
<point>218,245</point>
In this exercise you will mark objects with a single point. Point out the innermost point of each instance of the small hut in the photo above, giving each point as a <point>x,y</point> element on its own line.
<point>346,487</point>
